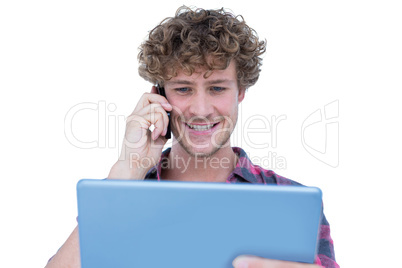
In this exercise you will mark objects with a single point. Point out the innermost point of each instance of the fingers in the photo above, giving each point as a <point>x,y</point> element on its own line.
<point>153,114</point>
<point>258,262</point>
<point>149,98</point>
<point>157,116</point>
<point>152,107</point>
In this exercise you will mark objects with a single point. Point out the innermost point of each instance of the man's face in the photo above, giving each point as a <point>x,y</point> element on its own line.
<point>204,109</point>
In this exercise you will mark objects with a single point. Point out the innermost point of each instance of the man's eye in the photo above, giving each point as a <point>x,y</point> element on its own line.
<point>182,89</point>
<point>218,89</point>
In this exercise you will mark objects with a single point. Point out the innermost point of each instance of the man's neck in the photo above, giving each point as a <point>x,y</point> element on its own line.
<point>181,166</point>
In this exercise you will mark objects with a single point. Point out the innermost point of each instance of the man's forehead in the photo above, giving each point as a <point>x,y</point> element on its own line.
<point>202,74</point>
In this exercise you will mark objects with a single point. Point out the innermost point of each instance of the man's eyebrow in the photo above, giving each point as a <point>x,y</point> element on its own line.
<point>220,81</point>
<point>210,82</point>
<point>180,82</point>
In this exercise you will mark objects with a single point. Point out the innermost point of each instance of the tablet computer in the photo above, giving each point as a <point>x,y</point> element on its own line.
<point>194,224</point>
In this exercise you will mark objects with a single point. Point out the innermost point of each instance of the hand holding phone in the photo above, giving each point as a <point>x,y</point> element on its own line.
<point>161,92</point>
<point>139,142</point>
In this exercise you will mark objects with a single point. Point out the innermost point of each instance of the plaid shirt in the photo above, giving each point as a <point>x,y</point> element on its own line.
<point>246,171</point>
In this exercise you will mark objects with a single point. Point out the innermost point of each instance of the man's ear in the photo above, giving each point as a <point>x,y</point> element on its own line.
<point>242,93</point>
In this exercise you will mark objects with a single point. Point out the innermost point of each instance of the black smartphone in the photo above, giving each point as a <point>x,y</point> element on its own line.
<point>161,91</point>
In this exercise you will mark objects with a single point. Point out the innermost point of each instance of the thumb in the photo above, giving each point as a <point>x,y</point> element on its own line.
<point>243,261</point>
<point>248,261</point>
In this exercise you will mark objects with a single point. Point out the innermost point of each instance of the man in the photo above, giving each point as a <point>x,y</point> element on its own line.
<point>205,61</point>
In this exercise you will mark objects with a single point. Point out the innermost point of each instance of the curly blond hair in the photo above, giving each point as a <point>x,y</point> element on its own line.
<point>206,38</point>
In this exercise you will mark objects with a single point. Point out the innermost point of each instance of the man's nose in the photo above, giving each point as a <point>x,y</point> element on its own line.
<point>201,105</point>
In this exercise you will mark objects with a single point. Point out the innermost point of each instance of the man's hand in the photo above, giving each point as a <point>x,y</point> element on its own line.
<point>142,148</point>
<point>258,262</point>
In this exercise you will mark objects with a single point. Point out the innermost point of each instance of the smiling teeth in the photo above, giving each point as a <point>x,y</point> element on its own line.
<point>200,127</point>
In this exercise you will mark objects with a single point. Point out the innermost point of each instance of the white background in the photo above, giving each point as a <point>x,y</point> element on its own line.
<point>57,54</point>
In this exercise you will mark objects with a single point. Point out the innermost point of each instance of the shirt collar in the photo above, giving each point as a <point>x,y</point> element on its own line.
<point>244,167</point>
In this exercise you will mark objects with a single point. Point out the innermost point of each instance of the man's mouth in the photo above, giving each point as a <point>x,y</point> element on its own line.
<point>199,127</point>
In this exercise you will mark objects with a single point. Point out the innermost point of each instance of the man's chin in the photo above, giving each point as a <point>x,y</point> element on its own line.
<point>201,153</point>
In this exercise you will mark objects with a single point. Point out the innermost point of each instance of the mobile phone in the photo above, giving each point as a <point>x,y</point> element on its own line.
<point>161,91</point>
